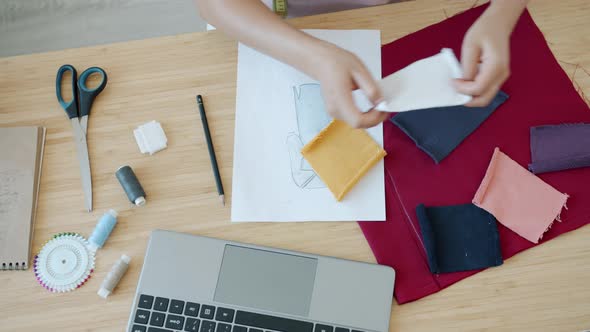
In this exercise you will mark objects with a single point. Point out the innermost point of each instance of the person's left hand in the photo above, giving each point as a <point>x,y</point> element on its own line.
<point>485,55</point>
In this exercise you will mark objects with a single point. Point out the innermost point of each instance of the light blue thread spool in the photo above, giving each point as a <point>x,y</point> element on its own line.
<point>103,229</point>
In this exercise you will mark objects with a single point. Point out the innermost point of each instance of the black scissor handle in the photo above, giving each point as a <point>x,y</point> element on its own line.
<point>70,107</point>
<point>87,95</point>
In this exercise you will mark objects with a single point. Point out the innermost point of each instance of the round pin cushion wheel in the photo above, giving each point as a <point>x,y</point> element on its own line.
<point>64,263</point>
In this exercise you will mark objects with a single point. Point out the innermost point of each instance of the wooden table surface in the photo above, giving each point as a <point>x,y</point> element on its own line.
<point>543,289</point>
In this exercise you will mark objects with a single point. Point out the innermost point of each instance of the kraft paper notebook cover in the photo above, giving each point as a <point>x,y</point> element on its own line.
<point>21,155</point>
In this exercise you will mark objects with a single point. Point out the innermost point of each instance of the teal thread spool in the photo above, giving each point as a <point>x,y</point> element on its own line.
<point>103,229</point>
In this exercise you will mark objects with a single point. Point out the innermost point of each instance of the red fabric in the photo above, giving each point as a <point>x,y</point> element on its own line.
<point>540,94</point>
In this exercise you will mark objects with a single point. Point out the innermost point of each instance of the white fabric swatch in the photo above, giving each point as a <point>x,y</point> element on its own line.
<point>424,84</point>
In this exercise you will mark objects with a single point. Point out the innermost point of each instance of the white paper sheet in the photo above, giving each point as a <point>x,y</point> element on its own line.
<point>278,110</point>
<point>425,83</point>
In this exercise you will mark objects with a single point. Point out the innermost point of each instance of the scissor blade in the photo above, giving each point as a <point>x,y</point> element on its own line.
<point>84,124</point>
<point>82,148</point>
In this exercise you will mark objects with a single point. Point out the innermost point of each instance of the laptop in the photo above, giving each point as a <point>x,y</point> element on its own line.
<point>199,284</point>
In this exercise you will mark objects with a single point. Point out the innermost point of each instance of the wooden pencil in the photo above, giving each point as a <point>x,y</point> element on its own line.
<point>211,149</point>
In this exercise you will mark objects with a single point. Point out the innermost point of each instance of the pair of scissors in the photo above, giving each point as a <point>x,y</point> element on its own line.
<point>78,110</point>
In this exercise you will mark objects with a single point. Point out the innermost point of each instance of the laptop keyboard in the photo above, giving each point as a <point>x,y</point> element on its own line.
<point>158,314</point>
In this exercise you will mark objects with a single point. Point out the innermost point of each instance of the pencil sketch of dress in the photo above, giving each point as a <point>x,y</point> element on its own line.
<point>311,119</point>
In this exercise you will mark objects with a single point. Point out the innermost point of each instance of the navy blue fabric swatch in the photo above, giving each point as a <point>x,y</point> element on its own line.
<point>438,131</point>
<point>459,238</point>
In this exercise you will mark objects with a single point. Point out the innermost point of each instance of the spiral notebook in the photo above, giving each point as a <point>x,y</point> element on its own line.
<point>21,156</point>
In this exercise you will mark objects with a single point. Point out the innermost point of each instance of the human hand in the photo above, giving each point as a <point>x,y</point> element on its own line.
<point>339,73</point>
<point>485,53</point>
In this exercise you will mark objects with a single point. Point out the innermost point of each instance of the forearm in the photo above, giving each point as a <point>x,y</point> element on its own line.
<point>255,25</point>
<point>508,10</point>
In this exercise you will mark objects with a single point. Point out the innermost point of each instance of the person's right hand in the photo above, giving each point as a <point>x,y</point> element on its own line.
<point>340,72</point>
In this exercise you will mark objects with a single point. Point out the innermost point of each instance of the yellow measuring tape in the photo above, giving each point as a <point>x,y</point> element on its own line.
<point>280,7</point>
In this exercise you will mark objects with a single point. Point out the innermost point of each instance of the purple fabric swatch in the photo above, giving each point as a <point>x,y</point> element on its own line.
<point>559,147</point>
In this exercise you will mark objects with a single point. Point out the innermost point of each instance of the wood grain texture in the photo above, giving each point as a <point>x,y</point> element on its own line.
<point>543,289</point>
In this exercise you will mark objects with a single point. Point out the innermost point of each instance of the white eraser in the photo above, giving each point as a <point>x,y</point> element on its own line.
<point>150,137</point>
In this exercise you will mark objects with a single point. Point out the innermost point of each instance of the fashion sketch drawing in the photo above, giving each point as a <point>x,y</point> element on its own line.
<point>311,119</point>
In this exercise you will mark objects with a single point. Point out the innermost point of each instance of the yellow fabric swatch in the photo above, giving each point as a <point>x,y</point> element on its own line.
<point>341,155</point>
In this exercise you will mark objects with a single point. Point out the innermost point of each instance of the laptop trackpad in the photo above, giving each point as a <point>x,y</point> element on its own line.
<point>266,280</point>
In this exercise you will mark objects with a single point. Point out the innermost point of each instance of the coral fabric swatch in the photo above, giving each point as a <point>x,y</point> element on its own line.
<point>341,155</point>
<point>560,147</point>
<point>459,237</point>
<point>518,199</point>
<point>438,131</point>
<point>540,93</point>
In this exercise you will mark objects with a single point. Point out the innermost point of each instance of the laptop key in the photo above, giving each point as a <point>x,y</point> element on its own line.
<point>145,301</point>
<point>157,329</point>
<point>176,306</point>
<point>341,329</point>
<point>239,329</point>
<point>142,316</point>
<point>254,330</point>
<point>157,319</point>
<point>272,322</point>
<point>138,328</point>
<point>207,326</point>
<point>323,328</point>
<point>174,322</point>
<point>161,304</point>
<point>222,327</point>
<point>225,315</point>
<point>191,309</point>
<point>192,325</point>
<point>207,311</point>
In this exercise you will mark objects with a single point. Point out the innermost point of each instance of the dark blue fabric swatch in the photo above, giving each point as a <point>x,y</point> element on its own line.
<point>438,131</point>
<point>459,238</point>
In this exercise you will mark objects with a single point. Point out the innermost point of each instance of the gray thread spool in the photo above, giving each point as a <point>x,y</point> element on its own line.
<point>112,279</point>
<point>131,185</point>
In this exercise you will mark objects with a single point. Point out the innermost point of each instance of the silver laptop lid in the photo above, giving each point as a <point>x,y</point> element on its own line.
<point>255,279</point>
